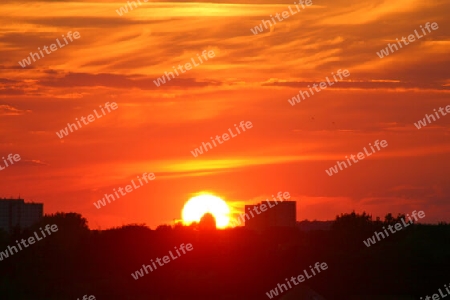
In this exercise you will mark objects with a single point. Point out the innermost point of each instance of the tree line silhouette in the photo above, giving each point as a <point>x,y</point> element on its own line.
<point>234,263</point>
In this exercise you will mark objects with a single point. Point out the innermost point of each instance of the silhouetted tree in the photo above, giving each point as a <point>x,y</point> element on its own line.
<point>225,264</point>
<point>353,222</point>
<point>207,222</point>
<point>72,222</point>
<point>164,228</point>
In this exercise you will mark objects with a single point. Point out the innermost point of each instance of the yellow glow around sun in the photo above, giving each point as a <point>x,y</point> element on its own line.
<point>197,206</point>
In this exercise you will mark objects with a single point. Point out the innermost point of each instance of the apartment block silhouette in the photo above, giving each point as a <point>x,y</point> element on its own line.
<point>15,212</point>
<point>277,214</point>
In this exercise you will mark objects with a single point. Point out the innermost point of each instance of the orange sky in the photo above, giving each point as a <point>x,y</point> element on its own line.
<point>250,78</point>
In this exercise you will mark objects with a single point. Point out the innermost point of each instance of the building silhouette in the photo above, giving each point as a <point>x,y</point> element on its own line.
<point>276,214</point>
<point>17,213</point>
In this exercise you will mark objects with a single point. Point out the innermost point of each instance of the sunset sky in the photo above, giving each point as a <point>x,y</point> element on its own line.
<point>154,129</point>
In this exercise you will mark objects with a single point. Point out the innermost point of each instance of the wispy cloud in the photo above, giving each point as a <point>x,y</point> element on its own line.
<point>8,110</point>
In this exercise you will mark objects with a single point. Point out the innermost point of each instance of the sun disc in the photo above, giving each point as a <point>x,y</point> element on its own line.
<point>197,206</point>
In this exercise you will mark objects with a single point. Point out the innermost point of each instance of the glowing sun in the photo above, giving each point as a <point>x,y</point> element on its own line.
<point>197,206</point>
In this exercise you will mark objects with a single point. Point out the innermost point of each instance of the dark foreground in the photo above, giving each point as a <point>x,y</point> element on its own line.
<point>225,264</point>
